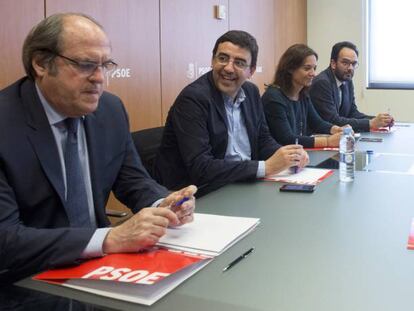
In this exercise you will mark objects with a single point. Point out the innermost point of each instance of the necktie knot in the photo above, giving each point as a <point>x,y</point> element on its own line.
<point>72,125</point>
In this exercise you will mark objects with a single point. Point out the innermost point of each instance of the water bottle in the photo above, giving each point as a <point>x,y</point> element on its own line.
<point>347,156</point>
<point>369,154</point>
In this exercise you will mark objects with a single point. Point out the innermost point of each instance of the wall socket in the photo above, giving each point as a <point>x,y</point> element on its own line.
<point>220,11</point>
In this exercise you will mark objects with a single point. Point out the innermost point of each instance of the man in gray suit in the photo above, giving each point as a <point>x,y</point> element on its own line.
<point>332,92</point>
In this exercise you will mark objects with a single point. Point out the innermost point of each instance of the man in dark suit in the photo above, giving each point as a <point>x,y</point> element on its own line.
<point>216,132</point>
<point>332,92</point>
<point>64,145</point>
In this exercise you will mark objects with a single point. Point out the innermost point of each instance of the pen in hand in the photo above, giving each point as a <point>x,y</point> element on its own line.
<point>389,114</point>
<point>238,259</point>
<point>295,168</point>
<point>180,212</point>
<point>185,199</point>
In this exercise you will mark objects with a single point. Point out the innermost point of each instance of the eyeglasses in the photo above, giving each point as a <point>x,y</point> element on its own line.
<point>88,68</point>
<point>347,63</point>
<point>224,59</point>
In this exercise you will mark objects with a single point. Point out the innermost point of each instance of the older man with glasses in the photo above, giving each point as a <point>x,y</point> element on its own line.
<point>65,145</point>
<point>216,132</point>
<point>332,92</point>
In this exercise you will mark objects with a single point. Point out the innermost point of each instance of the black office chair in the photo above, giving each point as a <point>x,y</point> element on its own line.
<point>147,143</point>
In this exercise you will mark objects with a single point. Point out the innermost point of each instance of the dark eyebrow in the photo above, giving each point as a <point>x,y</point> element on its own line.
<point>242,59</point>
<point>349,60</point>
<point>225,54</point>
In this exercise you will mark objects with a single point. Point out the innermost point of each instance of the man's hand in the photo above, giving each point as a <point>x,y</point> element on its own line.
<point>333,140</point>
<point>142,230</point>
<point>285,157</point>
<point>381,120</point>
<point>182,203</point>
<point>336,129</point>
<point>145,228</point>
<point>339,129</point>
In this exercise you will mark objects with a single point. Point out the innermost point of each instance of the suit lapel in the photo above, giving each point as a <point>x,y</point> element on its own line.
<point>41,137</point>
<point>218,99</point>
<point>331,76</point>
<point>336,97</point>
<point>95,137</point>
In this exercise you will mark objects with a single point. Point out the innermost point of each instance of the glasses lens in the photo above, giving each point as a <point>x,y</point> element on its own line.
<point>348,64</point>
<point>90,67</point>
<point>240,64</point>
<point>86,67</point>
<point>223,59</point>
<point>108,66</point>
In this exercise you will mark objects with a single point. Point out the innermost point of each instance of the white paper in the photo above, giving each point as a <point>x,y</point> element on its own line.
<point>208,234</point>
<point>306,176</point>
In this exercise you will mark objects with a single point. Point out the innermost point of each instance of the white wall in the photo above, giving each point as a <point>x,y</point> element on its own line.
<point>331,21</point>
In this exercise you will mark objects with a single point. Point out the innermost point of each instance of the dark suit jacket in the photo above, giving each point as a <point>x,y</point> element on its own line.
<point>325,98</point>
<point>195,138</point>
<point>34,227</point>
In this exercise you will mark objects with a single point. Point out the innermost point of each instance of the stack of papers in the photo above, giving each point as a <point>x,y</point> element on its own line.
<point>306,176</point>
<point>208,235</point>
<point>145,277</point>
<point>384,130</point>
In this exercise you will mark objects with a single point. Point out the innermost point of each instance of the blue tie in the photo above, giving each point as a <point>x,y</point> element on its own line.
<point>76,199</point>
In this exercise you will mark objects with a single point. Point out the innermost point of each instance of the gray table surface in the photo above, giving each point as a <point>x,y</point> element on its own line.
<point>342,247</point>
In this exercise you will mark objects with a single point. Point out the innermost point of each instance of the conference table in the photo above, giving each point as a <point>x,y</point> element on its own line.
<point>342,247</point>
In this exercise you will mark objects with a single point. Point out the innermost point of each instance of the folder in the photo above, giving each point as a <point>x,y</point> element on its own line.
<point>147,276</point>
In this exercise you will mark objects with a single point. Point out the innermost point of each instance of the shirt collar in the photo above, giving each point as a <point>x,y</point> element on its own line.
<point>240,97</point>
<point>338,83</point>
<point>53,116</point>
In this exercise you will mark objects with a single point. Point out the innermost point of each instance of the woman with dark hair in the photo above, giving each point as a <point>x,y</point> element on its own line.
<point>289,111</point>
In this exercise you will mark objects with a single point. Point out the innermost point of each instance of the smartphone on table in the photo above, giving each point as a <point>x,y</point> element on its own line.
<point>297,188</point>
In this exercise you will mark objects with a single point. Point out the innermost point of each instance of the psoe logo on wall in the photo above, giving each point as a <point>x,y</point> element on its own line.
<point>118,73</point>
<point>194,71</point>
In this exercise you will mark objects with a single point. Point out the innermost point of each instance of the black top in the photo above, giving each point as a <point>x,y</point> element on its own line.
<point>289,119</point>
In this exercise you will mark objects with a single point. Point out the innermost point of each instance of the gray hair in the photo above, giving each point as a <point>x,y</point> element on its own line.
<point>45,41</point>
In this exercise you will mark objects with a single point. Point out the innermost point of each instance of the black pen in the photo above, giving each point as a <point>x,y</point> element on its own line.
<point>296,168</point>
<point>238,259</point>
